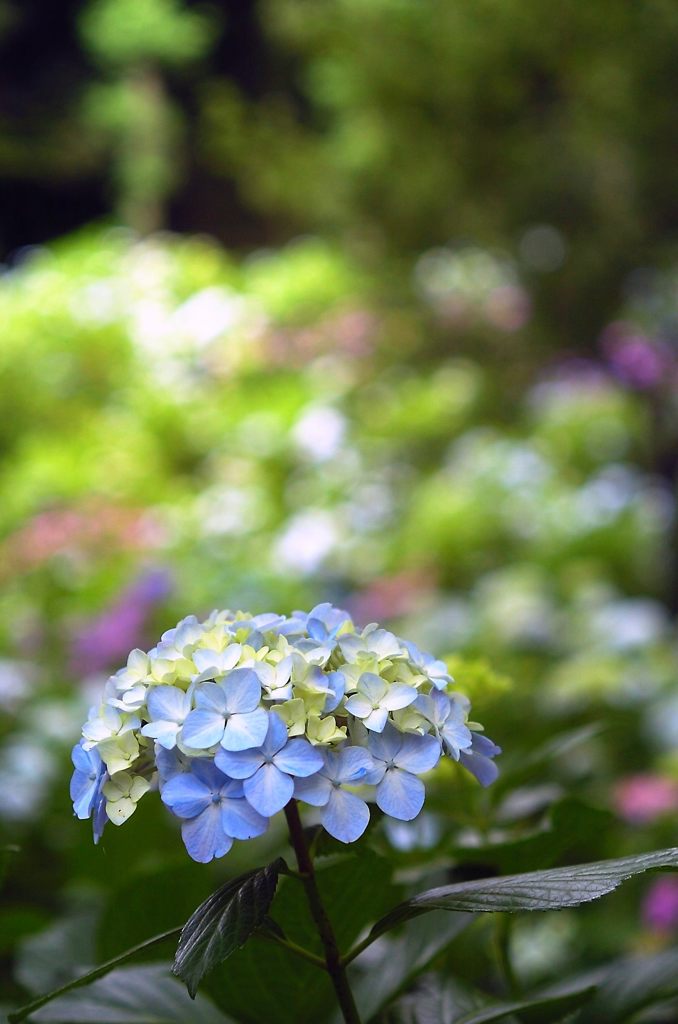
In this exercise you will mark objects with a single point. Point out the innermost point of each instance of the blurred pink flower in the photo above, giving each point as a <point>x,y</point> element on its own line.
<point>640,799</point>
<point>349,332</point>
<point>77,531</point>
<point>391,596</point>
<point>660,906</point>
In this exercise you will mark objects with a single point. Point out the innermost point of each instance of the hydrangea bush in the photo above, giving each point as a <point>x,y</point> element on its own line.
<point>233,717</point>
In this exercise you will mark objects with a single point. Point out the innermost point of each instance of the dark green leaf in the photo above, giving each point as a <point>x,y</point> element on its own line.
<point>224,922</point>
<point>86,979</point>
<point>534,890</point>
<point>355,890</point>
<point>568,821</point>
<point>394,962</point>
<point>132,995</point>
<point>631,984</point>
<point>6,854</point>
<point>58,953</point>
<point>542,1009</point>
<point>448,1002</point>
<point>149,887</point>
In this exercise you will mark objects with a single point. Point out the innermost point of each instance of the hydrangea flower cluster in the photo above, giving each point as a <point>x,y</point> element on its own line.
<point>232,717</point>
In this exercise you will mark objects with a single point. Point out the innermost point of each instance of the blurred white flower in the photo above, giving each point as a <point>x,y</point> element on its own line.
<point>319,432</point>
<point>307,540</point>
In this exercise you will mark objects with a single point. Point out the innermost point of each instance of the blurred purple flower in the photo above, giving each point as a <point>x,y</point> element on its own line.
<point>640,799</point>
<point>660,906</point>
<point>103,640</point>
<point>637,359</point>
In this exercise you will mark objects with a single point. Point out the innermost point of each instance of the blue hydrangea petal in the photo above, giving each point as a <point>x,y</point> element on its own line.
<point>204,837</point>
<point>385,746</point>
<point>352,763</point>
<point>442,706</point>
<point>400,794</point>
<point>240,764</point>
<point>268,790</point>
<point>167,703</point>
<point>346,816</point>
<point>398,696</point>
<point>456,736</point>
<point>211,697</point>
<point>203,728</point>
<point>276,737</point>
<point>314,790</point>
<point>240,820</point>
<point>165,733</point>
<point>418,754</point>
<point>373,687</point>
<point>483,745</point>
<point>376,720</point>
<point>82,760</point>
<point>242,689</point>
<point>337,684</point>
<point>170,762</point>
<point>232,788</point>
<point>186,796</point>
<point>207,772</point>
<point>245,731</point>
<point>299,757</point>
<point>83,792</point>
<point>479,763</point>
<point>99,816</point>
<point>86,781</point>
<point>483,768</point>
<point>358,705</point>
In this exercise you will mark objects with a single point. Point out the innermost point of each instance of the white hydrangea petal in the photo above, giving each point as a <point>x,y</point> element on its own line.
<point>398,697</point>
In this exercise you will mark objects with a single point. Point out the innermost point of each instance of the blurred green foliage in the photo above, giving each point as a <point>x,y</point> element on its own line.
<point>449,407</point>
<point>185,430</point>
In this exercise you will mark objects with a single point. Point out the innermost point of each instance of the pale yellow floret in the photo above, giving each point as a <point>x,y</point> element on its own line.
<point>119,752</point>
<point>324,731</point>
<point>123,794</point>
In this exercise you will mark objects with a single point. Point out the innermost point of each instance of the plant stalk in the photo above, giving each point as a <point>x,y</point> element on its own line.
<point>333,961</point>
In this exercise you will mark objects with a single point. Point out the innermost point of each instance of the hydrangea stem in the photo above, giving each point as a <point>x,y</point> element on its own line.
<point>333,961</point>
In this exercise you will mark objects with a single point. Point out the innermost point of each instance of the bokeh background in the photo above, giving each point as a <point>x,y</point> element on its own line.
<point>371,301</point>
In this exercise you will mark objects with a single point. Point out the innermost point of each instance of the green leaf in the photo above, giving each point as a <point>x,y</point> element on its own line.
<point>534,890</point>
<point>6,853</point>
<point>448,1002</point>
<point>149,887</point>
<point>395,962</point>
<point>631,984</point>
<point>132,995</point>
<point>555,747</point>
<point>355,890</point>
<point>224,922</point>
<point>98,972</point>
<point>569,821</point>
<point>60,952</point>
